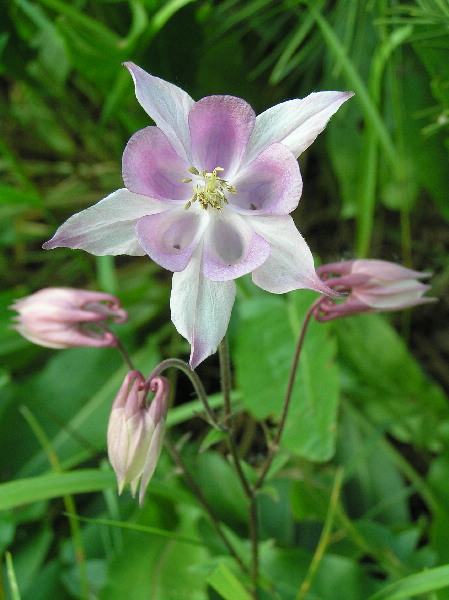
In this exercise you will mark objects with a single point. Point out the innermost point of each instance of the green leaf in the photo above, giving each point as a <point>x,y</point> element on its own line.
<point>96,575</point>
<point>402,398</point>
<point>10,195</point>
<point>354,79</point>
<point>158,568</point>
<point>374,482</point>
<point>219,483</point>
<point>225,583</point>
<point>29,560</point>
<point>54,485</point>
<point>421,583</point>
<point>214,436</point>
<point>264,348</point>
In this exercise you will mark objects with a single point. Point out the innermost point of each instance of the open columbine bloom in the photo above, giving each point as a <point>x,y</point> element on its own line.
<point>373,286</point>
<point>68,317</point>
<point>208,195</point>
<point>136,431</point>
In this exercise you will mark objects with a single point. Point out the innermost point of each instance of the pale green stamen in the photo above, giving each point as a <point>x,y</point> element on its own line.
<point>210,191</point>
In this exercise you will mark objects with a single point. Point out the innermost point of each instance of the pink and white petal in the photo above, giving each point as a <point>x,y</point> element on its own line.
<point>270,185</point>
<point>385,270</point>
<point>200,309</point>
<point>295,123</point>
<point>66,337</point>
<point>389,295</point>
<point>220,127</point>
<point>170,238</point>
<point>151,459</point>
<point>231,248</point>
<point>40,340</point>
<point>168,106</point>
<point>152,168</point>
<point>108,226</point>
<point>290,264</point>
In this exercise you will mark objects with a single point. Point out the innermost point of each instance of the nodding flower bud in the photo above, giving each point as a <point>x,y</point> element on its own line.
<point>372,285</point>
<point>136,431</point>
<point>67,317</point>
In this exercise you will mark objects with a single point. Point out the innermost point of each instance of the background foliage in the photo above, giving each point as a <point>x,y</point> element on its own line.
<point>370,403</point>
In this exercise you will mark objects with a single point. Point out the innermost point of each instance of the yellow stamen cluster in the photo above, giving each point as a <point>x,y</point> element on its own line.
<point>210,192</point>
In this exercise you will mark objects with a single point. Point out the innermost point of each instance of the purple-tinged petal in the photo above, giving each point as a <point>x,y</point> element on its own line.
<point>64,337</point>
<point>290,264</point>
<point>168,106</point>
<point>66,317</point>
<point>156,414</point>
<point>170,238</point>
<point>108,226</point>
<point>295,123</point>
<point>270,185</point>
<point>388,295</point>
<point>232,248</point>
<point>152,168</point>
<point>373,286</point>
<point>220,127</point>
<point>200,309</point>
<point>385,270</point>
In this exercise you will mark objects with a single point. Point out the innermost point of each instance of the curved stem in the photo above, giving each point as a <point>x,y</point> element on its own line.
<point>194,379</point>
<point>199,494</point>
<point>288,394</point>
<point>126,357</point>
<point>120,346</point>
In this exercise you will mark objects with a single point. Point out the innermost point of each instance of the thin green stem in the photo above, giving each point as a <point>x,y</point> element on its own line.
<point>254,537</point>
<point>288,395</point>
<point>225,373</point>
<point>196,382</point>
<point>225,376</point>
<point>199,494</point>
<point>324,538</point>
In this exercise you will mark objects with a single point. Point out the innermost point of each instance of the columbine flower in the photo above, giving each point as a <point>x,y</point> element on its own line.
<point>373,286</point>
<point>208,196</point>
<point>66,317</point>
<point>136,432</point>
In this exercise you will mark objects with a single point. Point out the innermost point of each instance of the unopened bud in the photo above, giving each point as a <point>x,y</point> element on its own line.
<point>372,286</point>
<point>68,317</point>
<point>136,431</point>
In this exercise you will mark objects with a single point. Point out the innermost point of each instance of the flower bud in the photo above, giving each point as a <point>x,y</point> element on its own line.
<point>67,317</point>
<point>372,285</point>
<point>136,431</point>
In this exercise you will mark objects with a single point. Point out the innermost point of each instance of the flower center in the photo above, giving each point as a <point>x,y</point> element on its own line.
<point>209,189</point>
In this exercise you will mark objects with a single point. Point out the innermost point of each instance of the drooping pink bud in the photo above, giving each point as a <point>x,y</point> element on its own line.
<point>136,431</point>
<point>68,317</point>
<point>372,285</point>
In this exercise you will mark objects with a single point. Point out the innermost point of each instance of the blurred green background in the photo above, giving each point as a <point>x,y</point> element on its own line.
<point>371,394</point>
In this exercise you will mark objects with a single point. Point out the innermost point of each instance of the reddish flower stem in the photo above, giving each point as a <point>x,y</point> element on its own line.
<point>288,394</point>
